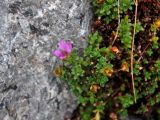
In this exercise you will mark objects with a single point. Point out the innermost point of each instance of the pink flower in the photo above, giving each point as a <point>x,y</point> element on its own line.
<point>64,49</point>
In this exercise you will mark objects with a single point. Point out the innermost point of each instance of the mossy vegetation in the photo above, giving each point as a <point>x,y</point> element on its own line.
<point>118,73</point>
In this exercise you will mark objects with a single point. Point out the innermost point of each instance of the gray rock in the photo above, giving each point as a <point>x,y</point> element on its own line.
<point>29,31</point>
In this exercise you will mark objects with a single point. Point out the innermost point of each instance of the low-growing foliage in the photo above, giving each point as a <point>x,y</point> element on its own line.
<point>108,9</point>
<point>100,76</point>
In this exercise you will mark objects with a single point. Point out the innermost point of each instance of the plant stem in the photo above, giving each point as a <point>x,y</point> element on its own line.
<point>119,21</point>
<point>132,51</point>
<point>143,51</point>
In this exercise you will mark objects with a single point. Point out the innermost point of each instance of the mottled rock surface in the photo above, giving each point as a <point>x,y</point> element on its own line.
<point>29,31</point>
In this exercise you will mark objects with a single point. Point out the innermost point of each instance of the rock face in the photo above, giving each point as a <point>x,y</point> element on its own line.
<point>29,31</point>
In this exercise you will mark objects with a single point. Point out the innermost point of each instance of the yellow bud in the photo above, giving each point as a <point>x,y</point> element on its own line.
<point>107,71</point>
<point>115,49</point>
<point>124,67</point>
<point>100,1</point>
<point>157,23</point>
<point>58,71</point>
<point>94,88</point>
<point>97,116</point>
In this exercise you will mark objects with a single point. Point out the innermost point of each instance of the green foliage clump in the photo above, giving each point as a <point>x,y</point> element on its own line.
<point>91,77</point>
<point>125,32</point>
<point>87,74</point>
<point>109,9</point>
<point>101,77</point>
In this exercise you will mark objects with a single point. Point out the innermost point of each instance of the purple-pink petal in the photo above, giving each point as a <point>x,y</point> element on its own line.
<point>59,54</point>
<point>68,47</point>
<point>65,46</point>
<point>64,49</point>
<point>62,44</point>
